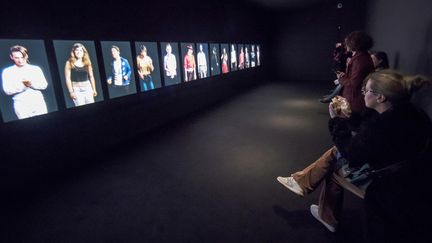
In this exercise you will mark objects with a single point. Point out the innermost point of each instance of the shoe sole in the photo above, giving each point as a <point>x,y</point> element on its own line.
<point>279,179</point>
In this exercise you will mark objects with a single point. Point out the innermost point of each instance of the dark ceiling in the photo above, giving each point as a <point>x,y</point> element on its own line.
<point>278,4</point>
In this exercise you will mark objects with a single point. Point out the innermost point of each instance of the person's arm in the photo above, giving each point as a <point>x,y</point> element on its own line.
<point>199,59</point>
<point>139,67</point>
<point>194,66</point>
<point>185,62</point>
<point>109,79</point>
<point>10,84</point>
<point>128,71</point>
<point>204,61</point>
<point>67,71</point>
<point>174,62</point>
<point>92,80</point>
<point>357,147</point>
<point>38,80</point>
<point>151,64</point>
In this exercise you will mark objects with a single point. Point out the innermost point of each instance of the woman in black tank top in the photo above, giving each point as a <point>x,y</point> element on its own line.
<point>79,76</point>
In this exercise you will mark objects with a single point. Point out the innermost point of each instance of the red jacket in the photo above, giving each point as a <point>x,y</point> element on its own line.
<point>356,71</point>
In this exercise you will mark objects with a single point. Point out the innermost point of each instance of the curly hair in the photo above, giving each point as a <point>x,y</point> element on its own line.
<point>359,41</point>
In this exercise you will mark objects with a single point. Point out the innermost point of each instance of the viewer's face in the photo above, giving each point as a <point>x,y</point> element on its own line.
<point>115,53</point>
<point>144,53</point>
<point>168,49</point>
<point>190,51</point>
<point>370,97</point>
<point>201,48</point>
<point>18,58</point>
<point>79,52</point>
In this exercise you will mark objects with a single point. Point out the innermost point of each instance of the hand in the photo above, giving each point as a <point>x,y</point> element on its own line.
<point>72,95</point>
<point>344,114</point>
<point>27,83</point>
<point>340,74</point>
<point>109,81</point>
<point>332,111</point>
<point>94,93</point>
<point>125,77</point>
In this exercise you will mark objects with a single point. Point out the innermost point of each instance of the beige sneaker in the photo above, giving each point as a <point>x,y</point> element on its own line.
<point>314,211</point>
<point>291,184</point>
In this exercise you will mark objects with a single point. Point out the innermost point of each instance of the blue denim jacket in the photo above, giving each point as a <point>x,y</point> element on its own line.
<point>126,71</point>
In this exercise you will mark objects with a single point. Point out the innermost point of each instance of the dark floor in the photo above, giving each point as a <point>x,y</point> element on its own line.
<point>209,178</point>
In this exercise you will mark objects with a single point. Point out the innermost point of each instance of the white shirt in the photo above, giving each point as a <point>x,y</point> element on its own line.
<point>233,57</point>
<point>202,61</point>
<point>13,77</point>
<point>170,64</point>
<point>118,78</point>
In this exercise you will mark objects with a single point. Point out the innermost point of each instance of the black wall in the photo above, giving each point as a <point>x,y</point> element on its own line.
<point>304,38</point>
<point>403,30</point>
<point>48,144</point>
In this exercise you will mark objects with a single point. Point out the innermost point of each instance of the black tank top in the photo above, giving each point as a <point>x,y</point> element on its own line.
<point>79,74</point>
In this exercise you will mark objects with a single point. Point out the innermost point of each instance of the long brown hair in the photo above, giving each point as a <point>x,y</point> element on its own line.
<point>86,58</point>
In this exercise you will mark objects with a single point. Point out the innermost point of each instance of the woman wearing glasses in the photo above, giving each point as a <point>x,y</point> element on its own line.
<point>393,139</point>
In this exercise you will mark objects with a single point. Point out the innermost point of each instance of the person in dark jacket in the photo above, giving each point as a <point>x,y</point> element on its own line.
<point>395,140</point>
<point>396,144</point>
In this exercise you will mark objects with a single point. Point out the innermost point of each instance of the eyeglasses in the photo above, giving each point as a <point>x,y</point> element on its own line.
<point>364,91</point>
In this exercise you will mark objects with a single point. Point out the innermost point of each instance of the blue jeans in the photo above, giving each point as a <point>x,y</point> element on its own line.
<point>147,83</point>
<point>335,92</point>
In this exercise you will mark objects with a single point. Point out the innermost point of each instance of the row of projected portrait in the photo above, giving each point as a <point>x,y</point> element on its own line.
<point>27,83</point>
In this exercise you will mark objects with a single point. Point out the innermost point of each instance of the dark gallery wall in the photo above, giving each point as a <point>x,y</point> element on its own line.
<point>44,145</point>
<point>404,30</point>
<point>304,38</point>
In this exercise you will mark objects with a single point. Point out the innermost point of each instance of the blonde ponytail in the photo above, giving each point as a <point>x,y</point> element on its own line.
<point>395,86</point>
<point>412,83</point>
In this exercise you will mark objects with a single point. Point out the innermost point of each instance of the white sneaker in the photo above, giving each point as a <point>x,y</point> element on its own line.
<point>291,184</point>
<point>314,212</point>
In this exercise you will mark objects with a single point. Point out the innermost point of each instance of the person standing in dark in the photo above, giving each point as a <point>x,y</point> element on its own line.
<point>358,67</point>
<point>340,58</point>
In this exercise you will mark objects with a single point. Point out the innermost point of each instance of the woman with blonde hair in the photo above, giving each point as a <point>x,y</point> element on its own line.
<point>395,140</point>
<point>79,76</point>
